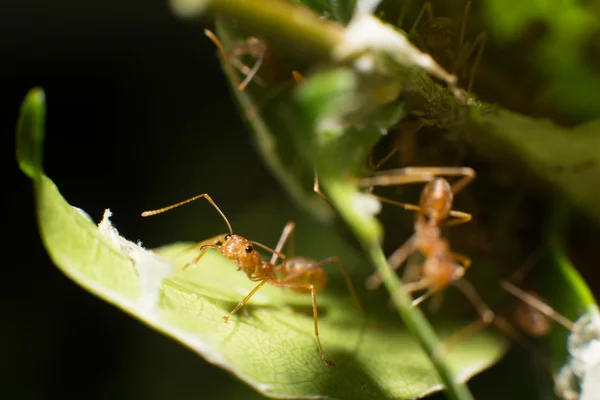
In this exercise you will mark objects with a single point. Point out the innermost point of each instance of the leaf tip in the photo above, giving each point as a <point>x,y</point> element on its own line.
<point>30,132</point>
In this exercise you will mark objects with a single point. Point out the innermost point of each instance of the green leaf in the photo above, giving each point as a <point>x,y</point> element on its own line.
<point>568,158</point>
<point>31,119</point>
<point>270,344</point>
<point>571,29</point>
<point>561,282</point>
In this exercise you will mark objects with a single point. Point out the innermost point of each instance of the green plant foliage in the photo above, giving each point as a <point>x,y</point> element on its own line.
<point>566,50</point>
<point>565,157</point>
<point>270,344</point>
<point>334,123</point>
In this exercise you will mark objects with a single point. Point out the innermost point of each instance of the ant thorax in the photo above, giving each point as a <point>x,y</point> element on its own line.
<point>436,200</point>
<point>581,372</point>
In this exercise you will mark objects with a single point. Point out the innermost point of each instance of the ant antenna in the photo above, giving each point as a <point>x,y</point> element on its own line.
<point>537,304</point>
<point>206,196</point>
<point>225,56</point>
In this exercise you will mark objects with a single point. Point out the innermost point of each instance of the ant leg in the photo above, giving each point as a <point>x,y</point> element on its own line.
<point>406,141</point>
<point>276,254</point>
<point>205,195</point>
<point>402,176</point>
<point>415,287</point>
<point>484,311</point>
<point>251,74</point>
<point>203,250</point>
<point>461,37</point>
<point>319,265</point>
<point>406,206</point>
<point>395,261</point>
<point>463,260</point>
<point>253,111</point>
<point>224,55</point>
<point>420,299</point>
<point>313,295</point>
<point>246,70</point>
<point>375,167</point>
<point>413,33</point>
<point>403,11</point>
<point>436,302</point>
<point>527,265</point>
<point>317,189</point>
<point>460,217</point>
<point>347,279</point>
<point>537,304</point>
<point>479,43</point>
<point>245,299</point>
<point>288,232</point>
<point>212,241</point>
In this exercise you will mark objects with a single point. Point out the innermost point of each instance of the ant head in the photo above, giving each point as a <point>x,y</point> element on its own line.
<point>256,46</point>
<point>440,33</point>
<point>436,199</point>
<point>241,250</point>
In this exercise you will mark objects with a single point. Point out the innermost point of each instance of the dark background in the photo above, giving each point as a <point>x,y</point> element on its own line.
<point>139,116</point>
<point>127,85</point>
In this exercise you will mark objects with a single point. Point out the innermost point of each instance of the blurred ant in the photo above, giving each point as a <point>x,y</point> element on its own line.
<point>299,274</point>
<point>583,343</point>
<point>442,267</point>
<point>252,46</point>
<point>439,38</point>
<point>262,53</point>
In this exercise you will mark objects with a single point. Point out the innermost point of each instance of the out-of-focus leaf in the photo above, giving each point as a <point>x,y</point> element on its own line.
<point>566,51</point>
<point>269,344</point>
<point>189,8</point>
<point>566,157</point>
<point>336,10</point>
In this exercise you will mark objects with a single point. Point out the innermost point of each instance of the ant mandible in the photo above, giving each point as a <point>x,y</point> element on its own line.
<point>442,267</point>
<point>299,274</point>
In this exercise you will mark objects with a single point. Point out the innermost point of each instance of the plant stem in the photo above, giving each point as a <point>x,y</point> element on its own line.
<point>417,324</point>
<point>413,318</point>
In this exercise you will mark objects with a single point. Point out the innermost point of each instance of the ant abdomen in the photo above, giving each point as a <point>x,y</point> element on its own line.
<point>530,320</point>
<point>309,274</point>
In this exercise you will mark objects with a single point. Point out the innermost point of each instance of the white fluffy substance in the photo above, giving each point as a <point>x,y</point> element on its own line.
<point>365,204</point>
<point>579,378</point>
<point>151,268</point>
<point>365,34</point>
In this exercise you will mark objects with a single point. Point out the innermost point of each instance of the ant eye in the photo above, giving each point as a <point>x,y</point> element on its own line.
<point>249,249</point>
<point>227,236</point>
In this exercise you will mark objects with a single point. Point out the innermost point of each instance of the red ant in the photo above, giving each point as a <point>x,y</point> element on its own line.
<point>442,267</point>
<point>299,274</point>
<point>263,55</point>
